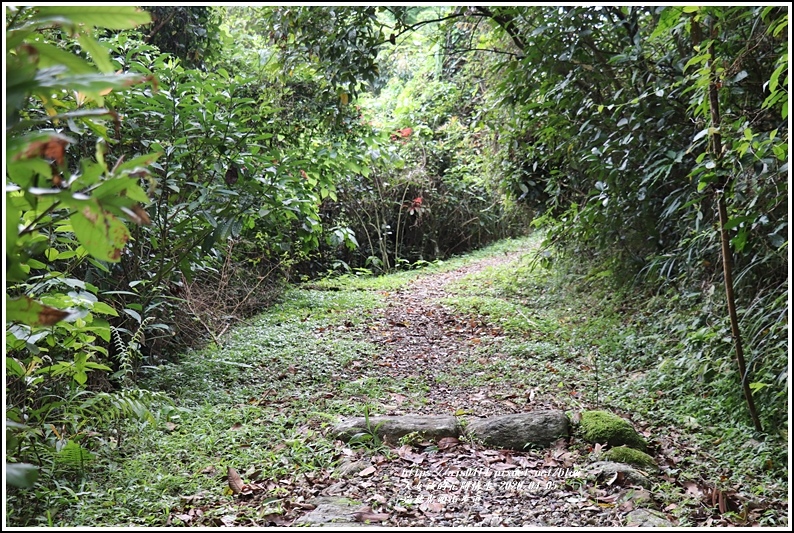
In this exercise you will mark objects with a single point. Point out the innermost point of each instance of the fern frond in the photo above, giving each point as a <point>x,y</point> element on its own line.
<point>74,455</point>
<point>129,352</point>
<point>121,348</point>
<point>138,404</point>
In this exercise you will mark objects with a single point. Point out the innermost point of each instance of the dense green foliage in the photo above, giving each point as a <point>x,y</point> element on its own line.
<point>167,169</point>
<point>600,119</point>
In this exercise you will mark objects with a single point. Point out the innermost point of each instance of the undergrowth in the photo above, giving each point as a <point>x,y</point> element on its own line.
<point>260,399</point>
<point>665,361</point>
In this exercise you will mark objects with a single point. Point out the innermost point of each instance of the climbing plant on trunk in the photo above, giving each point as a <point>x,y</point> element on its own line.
<point>718,163</point>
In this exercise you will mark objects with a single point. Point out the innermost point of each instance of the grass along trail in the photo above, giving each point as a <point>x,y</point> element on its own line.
<point>490,333</point>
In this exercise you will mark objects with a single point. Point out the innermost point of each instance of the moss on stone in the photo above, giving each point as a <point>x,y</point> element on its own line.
<point>604,427</point>
<point>630,456</point>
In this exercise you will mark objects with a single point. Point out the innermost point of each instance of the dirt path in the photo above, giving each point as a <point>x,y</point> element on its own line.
<point>428,348</point>
<point>423,339</point>
<point>454,482</point>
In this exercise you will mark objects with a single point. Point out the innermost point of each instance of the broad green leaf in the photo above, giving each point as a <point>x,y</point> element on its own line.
<point>733,222</point>
<point>102,234</point>
<point>12,229</point>
<point>740,240</point>
<point>22,475</point>
<point>101,327</point>
<point>138,162</point>
<point>13,366</point>
<point>110,17</point>
<point>90,175</point>
<point>669,17</point>
<point>52,56</point>
<point>112,187</point>
<point>97,51</point>
<point>701,134</point>
<point>35,263</point>
<point>20,75</point>
<point>699,58</point>
<point>133,314</point>
<point>15,37</point>
<point>757,386</point>
<point>90,84</point>
<point>30,312</point>
<point>773,79</point>
<point>101,307</point>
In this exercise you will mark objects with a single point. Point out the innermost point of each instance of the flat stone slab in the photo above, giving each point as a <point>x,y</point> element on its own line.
<point>647,518</point>
<point>608,468</point>
<point>520,431</point>
<point>392,428</point>
<point>331,512</point>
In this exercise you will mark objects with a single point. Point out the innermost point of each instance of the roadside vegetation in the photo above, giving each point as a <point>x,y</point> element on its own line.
<point>207,207</point>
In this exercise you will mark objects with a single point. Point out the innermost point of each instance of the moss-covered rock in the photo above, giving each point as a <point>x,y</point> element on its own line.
<point>630,456</point>
<point>605,427</point>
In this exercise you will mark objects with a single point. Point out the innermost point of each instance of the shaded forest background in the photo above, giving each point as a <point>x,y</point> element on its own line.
<point>169,169</point>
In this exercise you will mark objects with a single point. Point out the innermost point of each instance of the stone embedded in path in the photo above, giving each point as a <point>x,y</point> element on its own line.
<point>520,431</point>
<point>392,428</point>
<point>605,427</point>
<point>647,518</point>
<point>630,456</point>
<point>331,512</point>
<point>608,469</point>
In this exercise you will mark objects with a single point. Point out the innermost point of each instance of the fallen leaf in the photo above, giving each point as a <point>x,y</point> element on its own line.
<point>369,516</point>
<point>407,453</point>
<point>693,490</point>
<point>367,471</point>
<point>235,483</point>
<point>275,519</point>
<point>447,443</point>
<point>399,398</point>
<point>306,506</point>
<point>627,506</point>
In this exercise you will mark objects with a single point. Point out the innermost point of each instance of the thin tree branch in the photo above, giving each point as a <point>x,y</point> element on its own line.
<point>507,24</point>
<point>159,27</point>
<point>492,50</point>
<point>406,28</point>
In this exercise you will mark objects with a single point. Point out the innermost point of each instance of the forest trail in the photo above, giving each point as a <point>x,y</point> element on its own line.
<point>422,338</point>
<point>456,482</point>
<point>474,338</point>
